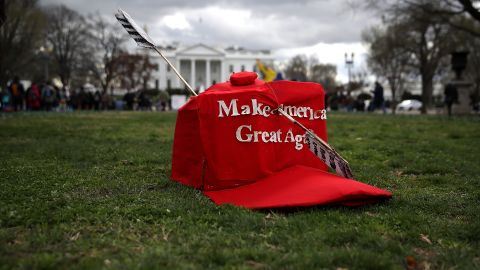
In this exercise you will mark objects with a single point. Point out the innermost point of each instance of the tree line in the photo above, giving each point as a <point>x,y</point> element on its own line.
<point>38,43</point>
<point>416,38</point>
<point>303,68</point>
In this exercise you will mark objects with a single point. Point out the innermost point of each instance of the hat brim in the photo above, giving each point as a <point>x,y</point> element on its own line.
<point>299,186</point>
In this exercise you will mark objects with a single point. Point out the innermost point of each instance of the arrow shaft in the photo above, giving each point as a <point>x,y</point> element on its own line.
<point>175,70</point>
<point>282,112</point>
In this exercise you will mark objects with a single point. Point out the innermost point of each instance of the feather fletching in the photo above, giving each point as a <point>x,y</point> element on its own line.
<point>328,155</point>
<point>136,32</point>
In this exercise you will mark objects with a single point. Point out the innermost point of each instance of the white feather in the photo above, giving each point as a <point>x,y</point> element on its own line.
<point>135,31</point>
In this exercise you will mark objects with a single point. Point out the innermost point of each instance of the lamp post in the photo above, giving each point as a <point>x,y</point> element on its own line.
<point>44,53</point>
<point>459,63</point>
<point>349,64</point>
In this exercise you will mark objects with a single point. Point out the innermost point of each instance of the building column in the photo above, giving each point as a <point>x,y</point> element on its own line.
<point>223,71</point>
<point>178,82</point>
<point>192,73</point>
<point>208,79</point>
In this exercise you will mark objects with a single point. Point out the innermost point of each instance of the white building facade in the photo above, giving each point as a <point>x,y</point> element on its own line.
<point>203,66</point>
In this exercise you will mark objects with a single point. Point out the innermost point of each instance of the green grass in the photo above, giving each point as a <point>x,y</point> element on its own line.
<point>92,190</point>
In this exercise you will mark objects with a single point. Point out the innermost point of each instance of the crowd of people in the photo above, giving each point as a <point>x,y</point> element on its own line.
<point>345,101</point>
<point>49,97</point>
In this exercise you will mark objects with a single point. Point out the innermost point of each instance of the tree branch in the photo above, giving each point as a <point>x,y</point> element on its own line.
<point>470,9</point>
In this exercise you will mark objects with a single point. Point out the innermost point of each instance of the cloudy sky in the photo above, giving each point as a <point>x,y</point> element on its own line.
<point>325,28</point>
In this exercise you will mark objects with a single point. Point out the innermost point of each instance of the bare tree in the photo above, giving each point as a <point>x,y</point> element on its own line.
<point>297,68</point>
<point>428,42</point>
<point>67,34</point>
<point>388,57</point>
<point>20,36</point>
<point>462,15</point>
<point>325,74</point>
<point>107,41</point>
<point>135,70</point>
<point>147,67</point>
<point>425,37</point>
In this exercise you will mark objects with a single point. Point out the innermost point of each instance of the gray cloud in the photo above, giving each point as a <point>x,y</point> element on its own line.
<point>251,23</point>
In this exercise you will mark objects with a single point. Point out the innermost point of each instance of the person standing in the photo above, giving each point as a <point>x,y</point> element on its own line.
<point>81,99</point>
<point>48,96</point>
<point>33,97</point>
<point>378,100</point>
<point>129,99</point>
<point>105,101</point>
<point>17,93</point>
<point>90,100</point>
<point>97,99</point>
<point>451,96</point>
<point>62,99</point>
<point>6,100</point>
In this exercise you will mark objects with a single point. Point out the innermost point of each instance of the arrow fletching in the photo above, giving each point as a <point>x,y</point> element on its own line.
<point>143,40</point>
<point>136,32</point>
<point>321,149</point>
<point>328,155</point>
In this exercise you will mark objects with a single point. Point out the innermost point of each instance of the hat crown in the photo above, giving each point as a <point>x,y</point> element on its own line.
<point>243,78</point>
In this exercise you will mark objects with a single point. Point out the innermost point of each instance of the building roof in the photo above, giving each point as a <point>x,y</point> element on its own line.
<point>200,49</point>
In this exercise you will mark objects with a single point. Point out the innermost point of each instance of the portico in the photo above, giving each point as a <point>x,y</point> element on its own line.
<point>201,72</point>
<point>202,65</point>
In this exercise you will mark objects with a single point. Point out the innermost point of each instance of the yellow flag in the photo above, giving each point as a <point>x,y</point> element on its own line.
<point>268,73</point>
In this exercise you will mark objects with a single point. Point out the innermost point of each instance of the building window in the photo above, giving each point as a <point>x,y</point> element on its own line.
<point>156,84</point>
<point>169,84</point>
<point>243,68</point>
<point>168,68</point>
<point>231,68</point>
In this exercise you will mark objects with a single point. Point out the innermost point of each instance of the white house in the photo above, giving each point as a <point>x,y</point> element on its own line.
<point>202,65</point>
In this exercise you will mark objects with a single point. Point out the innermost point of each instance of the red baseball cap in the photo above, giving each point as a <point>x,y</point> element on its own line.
<point>230,143</point>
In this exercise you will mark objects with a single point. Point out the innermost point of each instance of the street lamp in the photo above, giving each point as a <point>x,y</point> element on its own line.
<point>349,64</point>
<point>44,53</point>
<point>360,78</point>
<point>459,62</point>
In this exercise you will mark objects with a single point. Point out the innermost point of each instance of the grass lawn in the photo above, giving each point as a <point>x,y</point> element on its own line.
<point>92,190</point>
